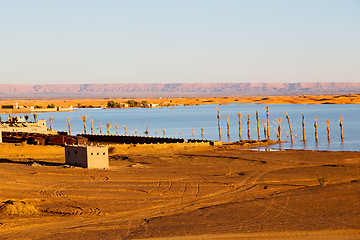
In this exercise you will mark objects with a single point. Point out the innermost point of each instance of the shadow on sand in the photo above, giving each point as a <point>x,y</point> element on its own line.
<point>30,162</point>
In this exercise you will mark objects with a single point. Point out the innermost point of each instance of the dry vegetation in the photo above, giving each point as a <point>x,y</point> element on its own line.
<point>322,99</point>
<point>180,190</point>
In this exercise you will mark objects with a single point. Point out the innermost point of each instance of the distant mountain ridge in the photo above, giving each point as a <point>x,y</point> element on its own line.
<point>175,89</point>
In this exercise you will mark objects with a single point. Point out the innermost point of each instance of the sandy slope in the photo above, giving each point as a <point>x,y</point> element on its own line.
<point>318,235</point>
<point>155,191</point>
<point>321,99</point>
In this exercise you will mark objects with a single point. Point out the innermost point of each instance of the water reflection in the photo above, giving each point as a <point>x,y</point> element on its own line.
<point>183,119</point>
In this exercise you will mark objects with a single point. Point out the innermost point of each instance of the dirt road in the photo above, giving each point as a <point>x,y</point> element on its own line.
<point>167,191</point>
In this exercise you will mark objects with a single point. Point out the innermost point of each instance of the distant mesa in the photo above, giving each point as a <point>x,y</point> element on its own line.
<point>175,89</point>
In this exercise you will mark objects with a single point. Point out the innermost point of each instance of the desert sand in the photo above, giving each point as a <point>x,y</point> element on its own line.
<point>302,99</point>
<point>180,191</point>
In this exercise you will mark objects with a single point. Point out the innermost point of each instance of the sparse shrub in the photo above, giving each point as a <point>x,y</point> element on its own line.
<point>229,172</point>
<point>322,181</point>
<point>112,104</point>
<point>37,106</point>
<point>111,149</point>
<point>144,104</point>
<point>51,105</point>
<point>133,103</point>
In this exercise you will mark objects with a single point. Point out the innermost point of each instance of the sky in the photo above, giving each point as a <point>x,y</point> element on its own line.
<point>179,41</point>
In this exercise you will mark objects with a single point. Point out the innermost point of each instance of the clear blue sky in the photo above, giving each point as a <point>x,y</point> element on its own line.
<point>168,41</point>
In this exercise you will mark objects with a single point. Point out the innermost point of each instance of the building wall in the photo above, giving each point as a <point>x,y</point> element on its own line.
<point>98,157</point>
<point>87,156</point>
<point>130,139</point>
<point>76,156</point>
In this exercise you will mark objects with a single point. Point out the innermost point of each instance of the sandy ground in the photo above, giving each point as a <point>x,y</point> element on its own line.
<point>180,191</point>
<point>321,99</point>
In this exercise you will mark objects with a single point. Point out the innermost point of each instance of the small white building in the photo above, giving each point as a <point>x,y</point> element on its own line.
<point>153,105</point>
<point>29,127</point>
<point>87,156</point>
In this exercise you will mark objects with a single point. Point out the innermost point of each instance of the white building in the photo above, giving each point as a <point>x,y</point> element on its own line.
<point>23,126</point>
<point>87,156</point>
<point>153,105</point>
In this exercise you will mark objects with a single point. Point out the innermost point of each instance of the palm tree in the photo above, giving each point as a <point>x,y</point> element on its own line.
<point>125,128</point>
<point>279,120</point>
<point>35,117</point>
<point>316,130</point>
<point>341,127</point>
<point>265,129</point>
<point>26,118</point>
<point>328,129</point>
<point>100,127</point>
<point>267,122</point>
<point>290,129</point>
<point>69,125</point>
<point>228,125</point>
<point>51,119</point>
<point>258,125</point>
<point>248,126</point>
<point>218,117</point>
<point>117,128</point>
<point>303,127</point>
<point>91,125</point>
<point>239,116</point>
<point>83,118</point>
<point>108,125</point>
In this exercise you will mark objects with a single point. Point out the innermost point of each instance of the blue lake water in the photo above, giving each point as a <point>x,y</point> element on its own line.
<point>180,120</point>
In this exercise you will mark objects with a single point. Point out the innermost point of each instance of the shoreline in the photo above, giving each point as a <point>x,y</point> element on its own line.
<point>168,102</point>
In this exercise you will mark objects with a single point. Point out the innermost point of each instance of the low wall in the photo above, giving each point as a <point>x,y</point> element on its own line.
<point>41,139</point>
<point>130,139</point>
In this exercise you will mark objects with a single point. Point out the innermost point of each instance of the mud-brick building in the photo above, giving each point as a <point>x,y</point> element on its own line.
<point>87,156</point>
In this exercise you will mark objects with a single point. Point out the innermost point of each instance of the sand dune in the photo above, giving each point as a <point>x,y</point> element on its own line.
<point>321,99</point>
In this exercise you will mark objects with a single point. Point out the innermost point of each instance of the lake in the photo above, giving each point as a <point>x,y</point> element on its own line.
<point>178,121</point>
